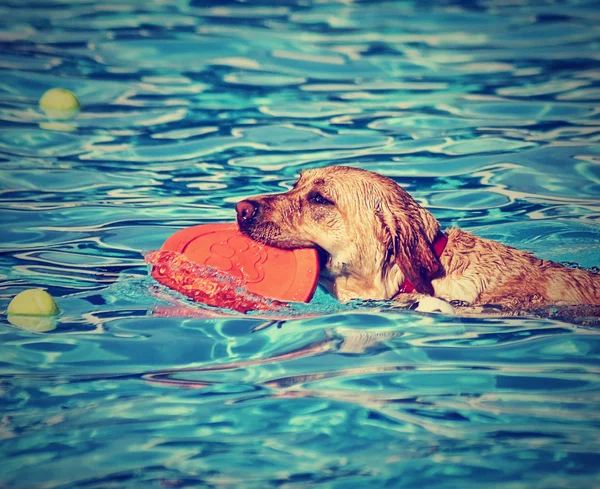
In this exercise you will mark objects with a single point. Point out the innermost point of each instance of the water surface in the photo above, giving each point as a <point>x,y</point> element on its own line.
<point>486,111</point>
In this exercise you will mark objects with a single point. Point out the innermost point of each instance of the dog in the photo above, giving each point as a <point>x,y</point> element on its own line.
<point>376,242</point>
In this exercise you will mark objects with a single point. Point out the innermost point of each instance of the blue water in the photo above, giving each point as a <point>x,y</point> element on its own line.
<point>486,111</point>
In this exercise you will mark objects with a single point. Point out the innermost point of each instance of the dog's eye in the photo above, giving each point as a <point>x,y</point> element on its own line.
<point>317,198</point>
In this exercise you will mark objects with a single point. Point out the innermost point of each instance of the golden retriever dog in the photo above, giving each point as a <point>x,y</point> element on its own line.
<point>377,242</point>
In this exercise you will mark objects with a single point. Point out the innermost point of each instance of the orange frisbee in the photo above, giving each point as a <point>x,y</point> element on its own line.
<point>283,275</point>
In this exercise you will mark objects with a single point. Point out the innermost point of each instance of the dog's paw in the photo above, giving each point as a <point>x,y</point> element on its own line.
<point>433,304</point>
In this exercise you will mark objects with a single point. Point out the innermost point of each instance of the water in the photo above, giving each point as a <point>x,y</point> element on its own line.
<point>486,111</point>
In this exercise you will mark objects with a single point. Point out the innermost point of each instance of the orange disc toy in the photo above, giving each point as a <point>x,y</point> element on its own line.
<point>185,260</point>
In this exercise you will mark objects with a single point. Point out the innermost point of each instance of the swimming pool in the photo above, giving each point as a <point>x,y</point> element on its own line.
<point>486,111</point>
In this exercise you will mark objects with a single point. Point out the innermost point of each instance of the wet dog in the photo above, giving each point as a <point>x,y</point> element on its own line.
<point>377,242</point>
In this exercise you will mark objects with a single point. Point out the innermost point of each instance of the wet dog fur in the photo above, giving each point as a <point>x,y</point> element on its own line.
<point>372,236</point>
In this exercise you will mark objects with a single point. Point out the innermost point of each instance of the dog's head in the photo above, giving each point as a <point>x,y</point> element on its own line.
<point>364,224</point>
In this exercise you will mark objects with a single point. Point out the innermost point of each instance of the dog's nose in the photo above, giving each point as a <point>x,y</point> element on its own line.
<point>246,210</point>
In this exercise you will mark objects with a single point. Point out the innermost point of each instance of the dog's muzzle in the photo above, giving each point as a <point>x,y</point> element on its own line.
<point>247,212</point>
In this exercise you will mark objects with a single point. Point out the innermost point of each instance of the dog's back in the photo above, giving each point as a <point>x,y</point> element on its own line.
<point>482,271</point>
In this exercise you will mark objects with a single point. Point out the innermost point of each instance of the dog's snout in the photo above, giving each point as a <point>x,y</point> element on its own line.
<point>247,210</point>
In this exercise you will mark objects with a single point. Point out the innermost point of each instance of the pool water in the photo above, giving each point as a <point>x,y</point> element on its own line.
<point>487,111</point>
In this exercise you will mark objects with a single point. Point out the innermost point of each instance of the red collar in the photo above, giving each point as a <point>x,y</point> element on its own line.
<point>439,245</point>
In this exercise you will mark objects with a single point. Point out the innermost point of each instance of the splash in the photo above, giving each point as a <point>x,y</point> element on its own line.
<point>206,284</point>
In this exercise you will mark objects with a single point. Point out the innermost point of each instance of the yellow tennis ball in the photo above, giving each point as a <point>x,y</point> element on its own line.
<point>33,302</point>
<point>35,324</point>
<point>59,103</point>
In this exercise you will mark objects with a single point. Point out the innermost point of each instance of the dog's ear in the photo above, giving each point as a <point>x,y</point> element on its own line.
<point>408,232</point>
<point>415,256</point>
